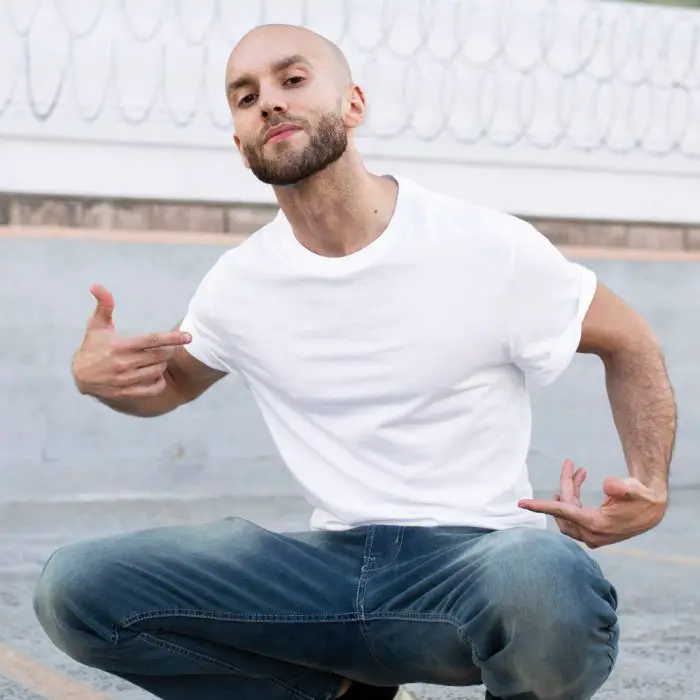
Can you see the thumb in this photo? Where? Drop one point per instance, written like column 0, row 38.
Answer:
column 102, row 316
column 620, row 488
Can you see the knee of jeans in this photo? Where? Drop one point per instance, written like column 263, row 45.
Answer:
column 556, row 611
column 66, row 601
column 544, row 579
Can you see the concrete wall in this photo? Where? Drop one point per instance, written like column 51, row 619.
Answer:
column 55, row 443
column 584, row 109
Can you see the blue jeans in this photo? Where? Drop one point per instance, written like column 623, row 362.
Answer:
column 232, row 610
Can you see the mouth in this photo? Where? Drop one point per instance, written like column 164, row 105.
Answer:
column 281, row 132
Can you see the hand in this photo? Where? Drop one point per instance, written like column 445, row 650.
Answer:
column 629, row 508
column 108, row 366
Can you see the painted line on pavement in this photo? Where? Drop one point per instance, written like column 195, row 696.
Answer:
column 645, row 554
column 42, row 680
column 53, row 685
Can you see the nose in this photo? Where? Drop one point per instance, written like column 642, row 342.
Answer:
column 271, row 102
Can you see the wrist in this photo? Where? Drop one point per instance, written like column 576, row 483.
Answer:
column 658, row 497
column 657, row 486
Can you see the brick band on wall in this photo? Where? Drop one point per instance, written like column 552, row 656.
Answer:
column 125, row 214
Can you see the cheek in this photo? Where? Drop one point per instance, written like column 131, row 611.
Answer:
column 246, row 128
column 245, row 141
column 240, row 146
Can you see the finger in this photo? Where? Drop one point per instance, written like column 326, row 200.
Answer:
column 579, row 478
column 143, row 390
column 566, row 482
column 102, row 316
column 559, row 509
column 567, row 528
column 143, row 375
column 147, row 358
column 156, row 340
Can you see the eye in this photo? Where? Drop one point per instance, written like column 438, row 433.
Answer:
column 294, row 80
column 246, row 101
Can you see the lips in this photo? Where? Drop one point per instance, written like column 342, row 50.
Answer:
column 281, row 132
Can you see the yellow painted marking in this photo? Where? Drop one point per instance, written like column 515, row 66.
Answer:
column 44, row 681
column 53, row 685
column 644, row 554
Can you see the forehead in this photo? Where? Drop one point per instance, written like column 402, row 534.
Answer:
column 263, row 50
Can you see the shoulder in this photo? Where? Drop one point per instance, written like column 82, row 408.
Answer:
column 474, row 222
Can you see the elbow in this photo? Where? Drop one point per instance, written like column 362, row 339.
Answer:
column 632, row 351
column 615, row 332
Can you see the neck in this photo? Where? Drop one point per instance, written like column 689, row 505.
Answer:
column 339, row 210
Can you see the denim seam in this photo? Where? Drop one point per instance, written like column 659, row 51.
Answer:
column 361, row 590
column 428, row 617
column 425, row 617
column 432, row 617
column 235, row 617
column 183, row 651
column 399, row 545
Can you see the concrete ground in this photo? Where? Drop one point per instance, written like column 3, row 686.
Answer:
column 70, row 469
column 657, row 577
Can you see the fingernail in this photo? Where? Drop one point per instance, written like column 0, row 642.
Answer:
column 186, row 337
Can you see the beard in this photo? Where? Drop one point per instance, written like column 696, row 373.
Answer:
column 328, row 141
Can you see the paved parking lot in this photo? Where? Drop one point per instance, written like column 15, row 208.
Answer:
column 70, row 469
column 657, row 576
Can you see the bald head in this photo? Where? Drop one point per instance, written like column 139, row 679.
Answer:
column 308, row 43
column 293, row 101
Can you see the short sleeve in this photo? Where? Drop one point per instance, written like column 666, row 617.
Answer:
column 207, row 327
column 549, row 298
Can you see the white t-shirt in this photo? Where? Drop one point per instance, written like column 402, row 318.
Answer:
column 393, row 380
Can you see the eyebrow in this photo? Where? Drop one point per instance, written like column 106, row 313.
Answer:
column 246, row 80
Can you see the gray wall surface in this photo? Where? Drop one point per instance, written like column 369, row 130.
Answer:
column 56, row 444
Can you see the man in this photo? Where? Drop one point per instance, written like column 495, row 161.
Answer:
column 388, row 334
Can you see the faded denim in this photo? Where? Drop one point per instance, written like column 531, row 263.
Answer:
column 232, row 610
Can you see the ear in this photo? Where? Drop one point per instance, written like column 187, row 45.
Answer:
column 237, row 141
column 357, row 107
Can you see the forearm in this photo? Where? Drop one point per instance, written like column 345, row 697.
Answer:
column 644, row 410
column 143, row 407
column 147, row 406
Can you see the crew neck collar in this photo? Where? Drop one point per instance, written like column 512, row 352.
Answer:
column 300, row 254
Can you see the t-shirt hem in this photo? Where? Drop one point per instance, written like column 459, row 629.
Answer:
column 326, row 522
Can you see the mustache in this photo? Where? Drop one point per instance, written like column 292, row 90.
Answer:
column 273, row 122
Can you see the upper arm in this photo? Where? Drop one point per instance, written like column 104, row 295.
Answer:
column 210, row 353
column 190, row 377
column 611, row 325
column 207, row 358
column 548, row 299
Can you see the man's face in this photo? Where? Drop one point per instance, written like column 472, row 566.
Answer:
column 287, row 106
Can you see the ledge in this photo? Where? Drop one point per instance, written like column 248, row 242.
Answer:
column 103, row 217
